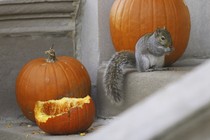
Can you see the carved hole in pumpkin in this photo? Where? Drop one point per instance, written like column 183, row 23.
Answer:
column 52, row 108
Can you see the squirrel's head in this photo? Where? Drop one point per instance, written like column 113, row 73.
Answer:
column 163, row 37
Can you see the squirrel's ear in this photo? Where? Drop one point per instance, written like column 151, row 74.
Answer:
column 157, row 31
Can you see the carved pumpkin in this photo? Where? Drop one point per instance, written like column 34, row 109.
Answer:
column 131, row 19
column 65, row 116
column 53, row 78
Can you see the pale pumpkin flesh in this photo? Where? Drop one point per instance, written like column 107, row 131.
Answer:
column 53, row 108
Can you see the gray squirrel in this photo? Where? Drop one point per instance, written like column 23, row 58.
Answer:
column 150, row 51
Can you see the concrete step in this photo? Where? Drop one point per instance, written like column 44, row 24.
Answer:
column 180, row 111
column 138, row 86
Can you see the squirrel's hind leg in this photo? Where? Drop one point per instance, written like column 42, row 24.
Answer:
column 142, row 63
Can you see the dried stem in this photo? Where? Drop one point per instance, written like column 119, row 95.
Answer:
column 51, row 55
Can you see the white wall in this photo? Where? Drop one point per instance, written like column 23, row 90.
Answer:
column 89, row 53
column 199, row 43
column 105, row 44
column 95, row 41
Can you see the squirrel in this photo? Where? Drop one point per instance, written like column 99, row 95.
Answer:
column 150, row 51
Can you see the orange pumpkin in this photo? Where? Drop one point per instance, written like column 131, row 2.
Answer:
column 131, row 19
column 65, row 116
column 53, row 78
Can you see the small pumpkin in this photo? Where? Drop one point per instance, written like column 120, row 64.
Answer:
column 65, row 116
column 53, row 78
column 131, row 19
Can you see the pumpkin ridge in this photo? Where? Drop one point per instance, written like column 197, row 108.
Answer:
column 77, row 81
column 141, row 11
column 152, row 15
column 21, row 81
column 47, row 81
column 175, row 13
column 43, row 65
column 129, row 22
column 78, row 122
column 54, row 67
column 33, row 92
column 124, row 19
column 83, row 75
column 45, row 84
column 23, row 72
column 121, row 18
column 87, row 114
column 158, row 9
column 61, row 65
column 115, row 33
column 165, row 13
column 86, row 80
column 167, row 6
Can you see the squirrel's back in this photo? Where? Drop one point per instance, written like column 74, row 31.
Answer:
column 114, row 76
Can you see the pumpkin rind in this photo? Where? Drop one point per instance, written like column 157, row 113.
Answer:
column 40, row 81
column 75, row 120
column 131, row 19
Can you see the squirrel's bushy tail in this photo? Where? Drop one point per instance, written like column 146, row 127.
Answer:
column 114, row 76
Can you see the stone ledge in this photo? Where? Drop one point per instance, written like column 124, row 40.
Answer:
column 11, row 9
column 34, row 16
column 139, row 86
column 5, row 2
column 37, row 27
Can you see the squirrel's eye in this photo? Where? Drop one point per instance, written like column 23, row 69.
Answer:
column 163, row 38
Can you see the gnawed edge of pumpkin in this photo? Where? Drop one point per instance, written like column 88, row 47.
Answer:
column 45, row 110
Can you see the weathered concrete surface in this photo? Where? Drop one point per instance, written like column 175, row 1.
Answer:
column 38, row 16
column 177, row 111
column 23, row 129
column 137, row 86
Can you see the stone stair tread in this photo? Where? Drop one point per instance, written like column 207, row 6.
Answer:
column 137, row 87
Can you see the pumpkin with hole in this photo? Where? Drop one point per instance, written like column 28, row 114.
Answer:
column 53, row 78
column 65, row 116
column 131, row 19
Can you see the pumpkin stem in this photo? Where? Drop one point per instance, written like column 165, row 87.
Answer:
column 51, row 55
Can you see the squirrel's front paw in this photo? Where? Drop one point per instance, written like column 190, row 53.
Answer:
column 172, row 49
column 149, row 70
column 169, row 50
